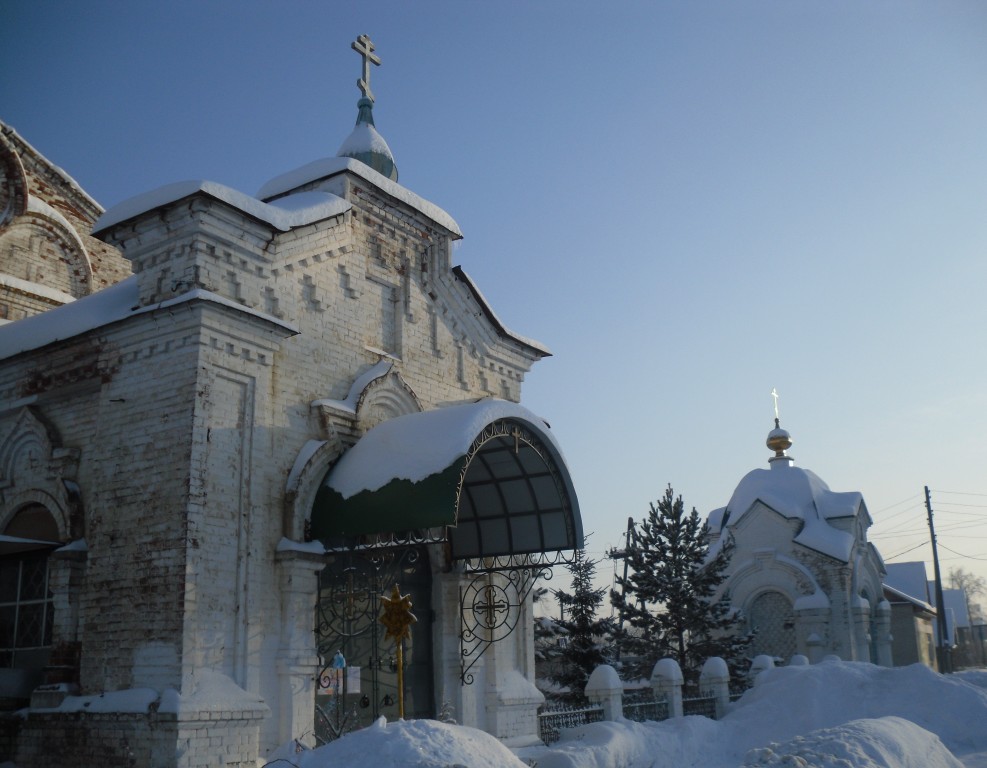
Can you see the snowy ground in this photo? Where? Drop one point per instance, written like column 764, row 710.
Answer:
column 829, row 715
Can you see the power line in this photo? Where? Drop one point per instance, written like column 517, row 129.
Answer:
column 892, row 506
column 968, row 557
column 905, row 552
column 897, row 514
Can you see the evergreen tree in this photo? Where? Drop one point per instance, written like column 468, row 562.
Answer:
column 589, row 637
column 667, row 600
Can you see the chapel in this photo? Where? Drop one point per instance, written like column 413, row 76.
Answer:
column 218, row 473
column 802, row 572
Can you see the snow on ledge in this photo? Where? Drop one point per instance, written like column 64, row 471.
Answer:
column 36, row 289
column 378, row 370
column 309, row 547
column 330, row 166
column 304, row 209
column 100, row 309
column 213, row 692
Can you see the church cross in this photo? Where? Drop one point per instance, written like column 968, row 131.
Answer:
column 349, row 596
column 774, row 394
column 491, row 606
column 365, row 48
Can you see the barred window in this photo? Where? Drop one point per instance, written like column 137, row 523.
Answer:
column 26, row 608
column 26, row 604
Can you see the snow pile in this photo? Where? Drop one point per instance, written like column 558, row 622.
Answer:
column 403, row 744
column 886, row 743
column 829, row 715
column 802, row 716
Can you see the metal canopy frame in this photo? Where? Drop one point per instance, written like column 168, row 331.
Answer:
column 513, row 498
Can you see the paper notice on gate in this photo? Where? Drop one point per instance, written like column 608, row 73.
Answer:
column 352, row 679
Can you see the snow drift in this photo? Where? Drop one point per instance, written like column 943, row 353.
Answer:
column 830, row 715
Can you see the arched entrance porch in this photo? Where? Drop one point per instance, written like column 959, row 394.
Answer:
column 483, row 492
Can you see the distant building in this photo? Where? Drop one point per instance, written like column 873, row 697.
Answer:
column 802, row 572
column 213, row 471
column 912, row 614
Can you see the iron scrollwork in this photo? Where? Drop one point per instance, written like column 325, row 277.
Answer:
column 491, row 604
column 346, row 620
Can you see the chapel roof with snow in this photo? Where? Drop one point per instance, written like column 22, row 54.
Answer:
column 795, row 494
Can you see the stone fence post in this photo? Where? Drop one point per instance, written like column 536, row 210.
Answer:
column 758, row 665
column 714, row 681
column 604, row 688
column 666, row 682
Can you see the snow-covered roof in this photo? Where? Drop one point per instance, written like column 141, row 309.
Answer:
column 797, row 493
column 904, row 597
column 460, row 273
column 284, row 214
column 331, row 166
column 415, row 446
column 65, row 177
column 908, row 578
column 100, row 309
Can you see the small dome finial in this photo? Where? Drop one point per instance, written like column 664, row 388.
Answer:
column 779, row 440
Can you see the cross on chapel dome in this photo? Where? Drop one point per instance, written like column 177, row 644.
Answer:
column 779, row 440
column 365, row 143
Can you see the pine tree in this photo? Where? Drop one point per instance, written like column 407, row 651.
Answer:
column 589, row 637
column 667, row 601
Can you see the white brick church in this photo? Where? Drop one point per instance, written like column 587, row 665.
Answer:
column 213, row 469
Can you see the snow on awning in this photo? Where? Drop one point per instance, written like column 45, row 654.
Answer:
column 12, row 544
column 490, row 470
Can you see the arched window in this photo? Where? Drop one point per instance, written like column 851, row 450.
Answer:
column 26, row 606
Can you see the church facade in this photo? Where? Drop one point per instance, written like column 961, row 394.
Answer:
column 220, row 465
column 802, row 572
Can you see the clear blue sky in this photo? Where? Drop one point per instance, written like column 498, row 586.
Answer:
column 689, row 202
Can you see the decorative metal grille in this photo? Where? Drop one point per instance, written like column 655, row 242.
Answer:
column 551, row 722
column 348, row 606
column 773, row 621
column 491, row 604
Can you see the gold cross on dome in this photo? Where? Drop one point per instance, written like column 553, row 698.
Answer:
column 365, row 48
column 774, row 394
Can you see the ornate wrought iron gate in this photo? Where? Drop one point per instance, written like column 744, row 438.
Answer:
column 361, row 684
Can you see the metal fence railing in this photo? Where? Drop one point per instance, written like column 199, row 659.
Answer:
column 552, row 721
column 646, row 709
column 700, row 705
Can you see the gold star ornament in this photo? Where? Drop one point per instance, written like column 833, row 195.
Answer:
column 397, row 617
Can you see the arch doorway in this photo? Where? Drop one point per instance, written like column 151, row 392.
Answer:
column 772, row 620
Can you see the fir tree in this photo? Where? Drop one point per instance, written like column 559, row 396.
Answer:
column 667, row 600
column 589, row 638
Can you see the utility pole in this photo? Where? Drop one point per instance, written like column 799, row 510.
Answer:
column 621, row 554
column 944, row 656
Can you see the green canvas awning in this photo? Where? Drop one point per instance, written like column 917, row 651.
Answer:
column 490, row 470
